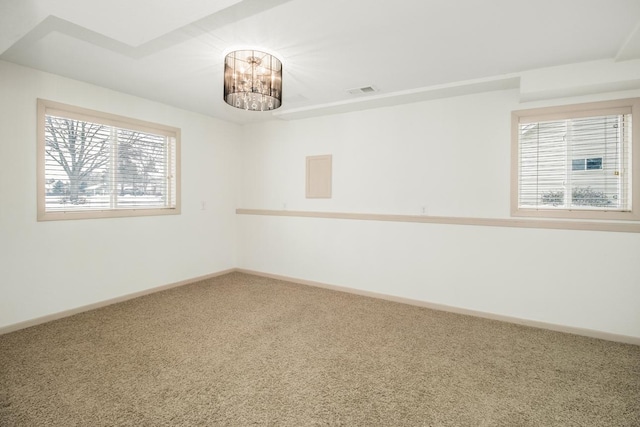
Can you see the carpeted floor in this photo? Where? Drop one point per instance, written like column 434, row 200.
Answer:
column 240, row 350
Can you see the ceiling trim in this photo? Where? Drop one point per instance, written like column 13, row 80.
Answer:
column 54, row 24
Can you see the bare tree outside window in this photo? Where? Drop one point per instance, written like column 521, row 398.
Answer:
column 78, row 148
column 79, row 158
column 139, row 163
column 99, row 165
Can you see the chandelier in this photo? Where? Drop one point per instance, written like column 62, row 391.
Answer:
column 252, row 80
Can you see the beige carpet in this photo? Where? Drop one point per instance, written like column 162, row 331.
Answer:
column 241, row 350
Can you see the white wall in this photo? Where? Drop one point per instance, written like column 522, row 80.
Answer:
column 449, row 155
column 48, row 267
column 452, row 156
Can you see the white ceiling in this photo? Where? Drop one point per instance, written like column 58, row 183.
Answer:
column 172, row 51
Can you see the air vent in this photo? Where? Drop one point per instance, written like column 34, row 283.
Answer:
column 362, row 90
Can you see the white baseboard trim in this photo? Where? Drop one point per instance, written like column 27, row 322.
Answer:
column 66, row 313
column 626, row 339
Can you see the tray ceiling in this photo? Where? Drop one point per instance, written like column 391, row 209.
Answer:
column 172, row 51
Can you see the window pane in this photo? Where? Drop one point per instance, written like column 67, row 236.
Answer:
column 142, row 169
column 595, row 186
column 578, row 165
column 594, row 163
column 76, row 161
column 543, row 164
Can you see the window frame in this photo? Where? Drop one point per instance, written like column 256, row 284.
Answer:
column 572, row 111
column 46, row 107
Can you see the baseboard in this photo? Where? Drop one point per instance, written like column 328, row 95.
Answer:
column 526, row 322
column 66, row 313
column 626, row 339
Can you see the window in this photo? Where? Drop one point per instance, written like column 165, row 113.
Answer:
column 95, row 165
column 586, row 164
column 577, row 161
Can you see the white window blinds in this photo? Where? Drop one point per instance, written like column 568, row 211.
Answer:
column 93, row 163
column 579, row 163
